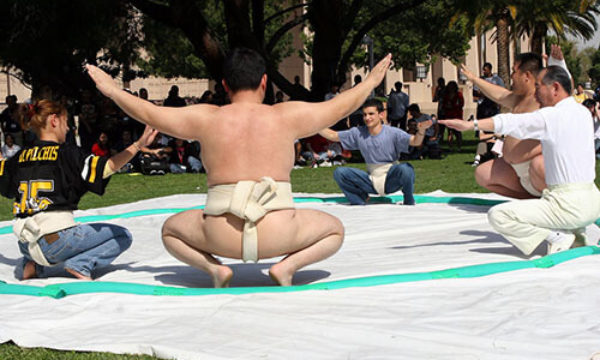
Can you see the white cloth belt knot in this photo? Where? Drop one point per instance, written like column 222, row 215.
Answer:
column 378, row 174
column 249, row 200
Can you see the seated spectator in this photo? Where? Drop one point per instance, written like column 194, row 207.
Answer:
column 484, row 151
column 320, row 151
column 154, row 158
column 183, row 157
column 299, row 161
column 100, row 147
column 9, row 149
column 580, row 94
column 431, row 134
column 124, row 143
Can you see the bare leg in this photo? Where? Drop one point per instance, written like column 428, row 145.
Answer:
column 537, row 173
column 497, row 176
column 78, row 275
column 306, row 236
column 324, row 238
column 180, row 232
column 29, row 271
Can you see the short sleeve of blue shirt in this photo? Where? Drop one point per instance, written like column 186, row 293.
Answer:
column 349, row 138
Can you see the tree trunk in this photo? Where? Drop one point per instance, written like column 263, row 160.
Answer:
column 503, row 46
column 537, row 39
column 326, row 17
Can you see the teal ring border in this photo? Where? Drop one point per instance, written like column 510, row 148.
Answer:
column 62, row 290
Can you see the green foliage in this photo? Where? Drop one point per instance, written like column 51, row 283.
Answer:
column 47, row 42
column 594, row 71
column 169, row 53
column 11, row 351
column 418, row 34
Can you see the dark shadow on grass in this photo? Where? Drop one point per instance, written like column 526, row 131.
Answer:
column 244, row 275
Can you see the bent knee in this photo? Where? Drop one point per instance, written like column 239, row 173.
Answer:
column 124, row 238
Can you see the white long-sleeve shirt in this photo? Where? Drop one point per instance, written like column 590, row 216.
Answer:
column 566, row 132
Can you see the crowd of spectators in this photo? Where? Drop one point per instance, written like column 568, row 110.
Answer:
column 98, row 125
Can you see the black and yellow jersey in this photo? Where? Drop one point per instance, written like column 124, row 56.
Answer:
column 50, row 176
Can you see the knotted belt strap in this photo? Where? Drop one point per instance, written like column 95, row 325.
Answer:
column 249, row 200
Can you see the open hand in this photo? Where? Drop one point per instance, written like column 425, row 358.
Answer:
column 424, row 125
column 105, row 84
column 467, row 72
column 147, row 136
column 378, row 72
column 457, row 124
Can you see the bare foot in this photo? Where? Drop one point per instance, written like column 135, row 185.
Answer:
column 281, row 275
column 222, row 276
column 29, row 270
column 78, row 275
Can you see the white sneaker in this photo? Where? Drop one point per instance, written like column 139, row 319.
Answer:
column 325, row 164
column 559, row 241
column 592, row 234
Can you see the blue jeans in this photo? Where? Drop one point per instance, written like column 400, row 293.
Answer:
column 195, row 165
column 357, row 186
column 82, row 248
column 597, row 145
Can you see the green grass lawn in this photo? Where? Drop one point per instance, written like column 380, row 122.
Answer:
column 453, row 173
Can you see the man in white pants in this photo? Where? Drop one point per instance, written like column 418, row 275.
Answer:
column 572, row 200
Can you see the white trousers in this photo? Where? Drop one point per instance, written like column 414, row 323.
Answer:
column 526, row 223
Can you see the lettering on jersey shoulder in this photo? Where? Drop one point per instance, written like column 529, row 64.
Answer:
column 44, row 153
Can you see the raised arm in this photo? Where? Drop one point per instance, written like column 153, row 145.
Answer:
column 309, row 118
column 181, row 122
column 493, row 92
column 118, row 160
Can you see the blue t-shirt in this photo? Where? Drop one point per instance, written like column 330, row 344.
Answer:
column 384, row 147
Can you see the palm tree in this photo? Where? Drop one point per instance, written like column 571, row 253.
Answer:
column 535, row 18
column 484, row 15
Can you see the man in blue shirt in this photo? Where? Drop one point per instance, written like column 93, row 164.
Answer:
column 380, row 146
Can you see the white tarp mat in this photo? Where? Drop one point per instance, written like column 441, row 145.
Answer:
column 534, row 313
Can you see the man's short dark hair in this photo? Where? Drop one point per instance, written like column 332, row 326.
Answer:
column 487, row 65
column 398, row 85
column 243, row 69
column 375, row 103
column 557, row 74
column 414, row 108
column 529, row 61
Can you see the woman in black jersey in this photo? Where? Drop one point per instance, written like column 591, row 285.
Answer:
column 47, row 180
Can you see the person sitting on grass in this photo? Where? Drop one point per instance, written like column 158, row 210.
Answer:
column 46, row 182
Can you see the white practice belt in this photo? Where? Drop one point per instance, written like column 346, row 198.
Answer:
column 377, row 174
column 522, row 171
column 30, row 229
column 249, row 200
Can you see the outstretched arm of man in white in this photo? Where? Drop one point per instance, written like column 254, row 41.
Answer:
column 172, row 121
column 308, row 118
